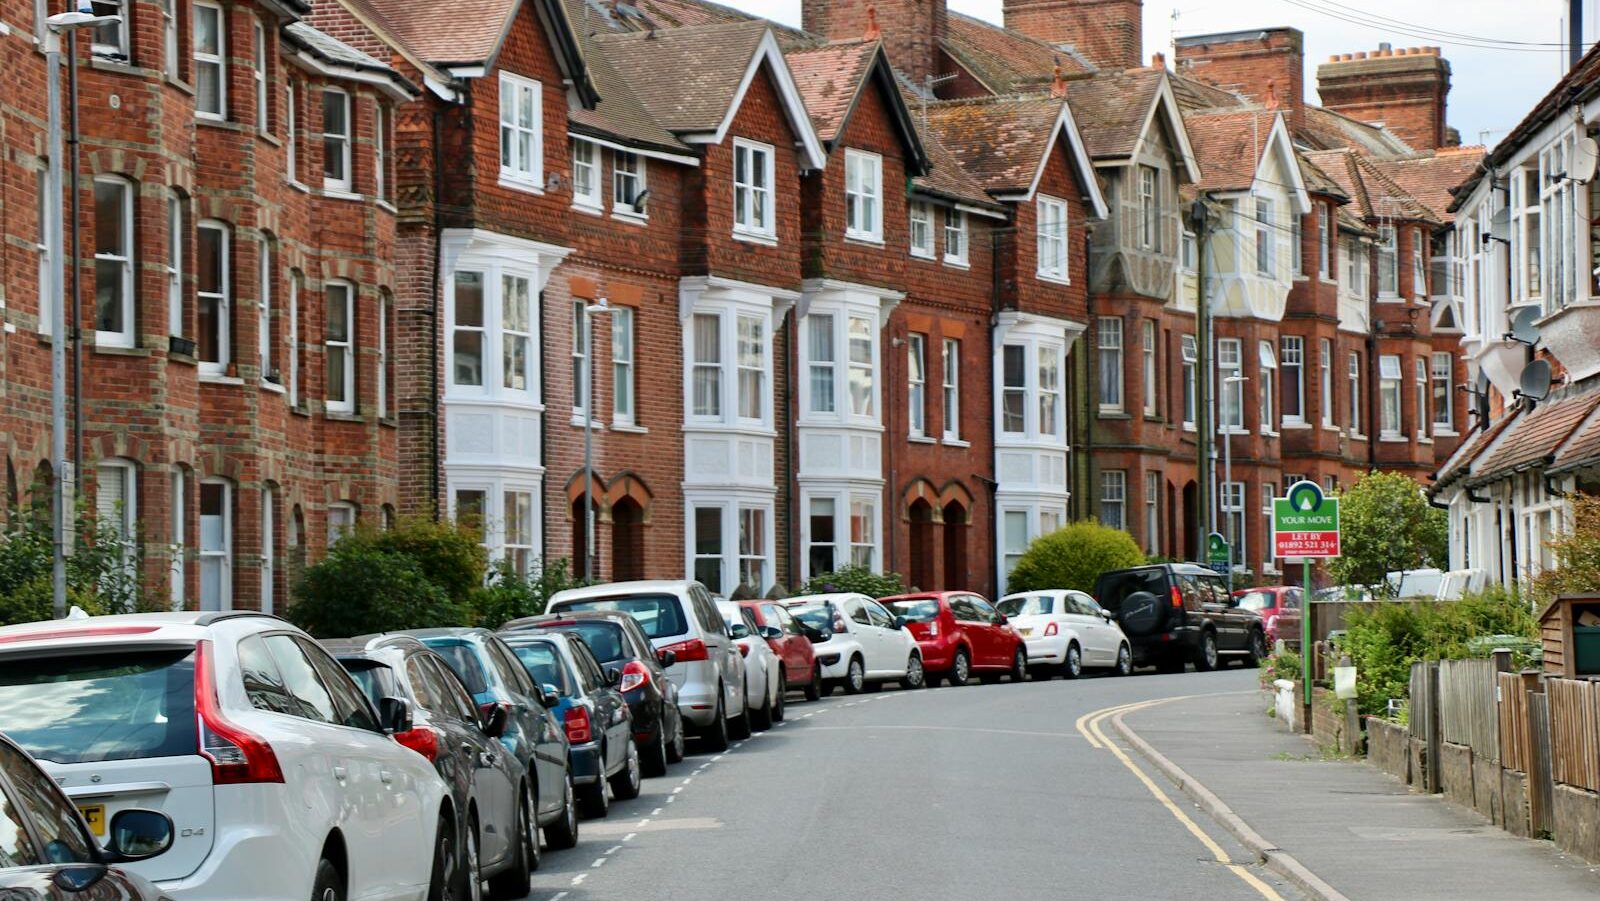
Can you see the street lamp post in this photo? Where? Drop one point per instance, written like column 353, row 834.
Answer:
column 1227, row 478
column 590, row 310
column 65, row 473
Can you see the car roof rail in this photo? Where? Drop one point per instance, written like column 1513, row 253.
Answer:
column 216, row 616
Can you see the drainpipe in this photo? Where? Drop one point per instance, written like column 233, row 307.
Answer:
column 1373, row 426
column 791, row 437
column 890, row 503
column 434, row 300
column 994, row 538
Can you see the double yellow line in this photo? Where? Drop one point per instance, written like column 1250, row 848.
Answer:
column 1090, row 726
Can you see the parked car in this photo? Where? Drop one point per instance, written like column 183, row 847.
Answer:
column 682, row 622
column 238, row 726
column 791, row 641
column 47, row 852
column 618, row 640
column 861, row 643
column 764, row 686
column 488, row 786
column 1067, row 631
column 491, row 674
column 601, row 755
column 1274, row 604
column 1173, row 613
column 961, row 634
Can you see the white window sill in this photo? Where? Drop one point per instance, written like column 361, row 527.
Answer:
column 627, row 428
column 273, row 387
column 921, row 439
column 1053, row 279
column 1330, row 427
column 1226, row 431
column 577, row 423
column 518, row 183
column 340, row 194
column 1269, row 433
column 215, row 378
column 588, row 209
column 1393, row 439
column 1294, row 426
column 918, row 255
column 1424, row 439
column 956, row 442
column 297, row 185
column 11, row 328
column 628, row 216
column 1446, row 433
column 864, row 238
column 1112, row 410
column 958, row 262
column 754, row 237
column 211, row 118
column 1300, row 277
column 1357, row 436
column 386, row 206
column 1188, row 427
column 1390, row 298
column 112, row 343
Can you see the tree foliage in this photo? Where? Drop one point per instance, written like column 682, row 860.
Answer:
column 102, row 570
column 1577, row 553
column 511, row 595
column 416, row 575
column 1385, row 525
column 1074, row 557
column 857, row 580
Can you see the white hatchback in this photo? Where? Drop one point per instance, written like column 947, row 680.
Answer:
column 1067, row 631
column 277, row 773
column 861, row 641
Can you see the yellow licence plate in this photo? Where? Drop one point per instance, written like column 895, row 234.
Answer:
column 95, row 816
column 1025, row 632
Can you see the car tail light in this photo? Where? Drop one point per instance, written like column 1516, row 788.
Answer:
column 237, row 756
column 687, row 651
column 577, row 723
column 1050, row 629
column 634, row 675
column 744, row 649
column 423, row 740
column 1177, row 598
column 1272, row 622
column 933, row 629
column 839, row 627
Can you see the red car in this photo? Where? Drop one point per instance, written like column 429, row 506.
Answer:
column 1274, row 603
column 960, row 634
column 788, row 639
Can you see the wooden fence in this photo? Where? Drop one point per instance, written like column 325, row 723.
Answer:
column 1516, row 752
column 1574, row 732
column 1421, row 695
column 1467, row 709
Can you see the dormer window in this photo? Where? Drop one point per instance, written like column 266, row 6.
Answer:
column 628, row 184
column 863, row 196
column 955, row 237
column 752, row 189
column 1052, row 229
column 521, row 132
column 586, row 175
column 1149, row 208
column 921, row 229
column 1388, row 262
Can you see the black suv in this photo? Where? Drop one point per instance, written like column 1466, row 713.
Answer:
column 1175, row 613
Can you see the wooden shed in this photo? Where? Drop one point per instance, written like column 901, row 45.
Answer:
column 1569, row 629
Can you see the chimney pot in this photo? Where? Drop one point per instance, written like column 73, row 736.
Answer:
column 1361, row 54
column 1158, row 61
column 1383, row 46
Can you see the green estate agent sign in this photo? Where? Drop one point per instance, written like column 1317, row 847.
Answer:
column 1217, row 552
column 1305, row 524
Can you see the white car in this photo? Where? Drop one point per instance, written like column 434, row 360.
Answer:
column 763, row 671
column 862, row 642
column 1067, row 631
column 280, row 778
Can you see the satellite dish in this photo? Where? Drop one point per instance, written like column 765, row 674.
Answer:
column 1480, row 400
column 1535, row 381
column 1581, row 165
column 1524, row 326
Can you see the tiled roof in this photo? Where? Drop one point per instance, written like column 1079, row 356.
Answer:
column 338, row 53
column 1323, row 129
column 947, row 178
column 1583, row 449
column 1006, row 61
column 1430, row 179
column 456, row 32
column 829, row 77
column 1197, row 96
column 686, row 78
column 1111, row 110
column 1460, row 463
column 619, row 114
column 1318, row 181
column 1229, row 146
column 1536, row 436
column 1000, row 141
column 1580, row 83
column 648, row 15
column 1375, row 194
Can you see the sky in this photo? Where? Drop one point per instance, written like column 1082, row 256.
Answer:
column 1492, row 87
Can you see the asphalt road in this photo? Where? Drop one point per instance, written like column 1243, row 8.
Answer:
column 985, row 792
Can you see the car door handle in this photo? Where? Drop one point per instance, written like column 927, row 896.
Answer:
column 386, row 776
column 340, row 773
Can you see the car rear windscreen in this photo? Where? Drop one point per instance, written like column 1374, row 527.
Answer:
column 924, row 610
column 817, row 616
column 543, row 663
column 603, row 638
column 1030, row 605
column 376, row 679
column 1115, row 587
column 83, row 708
column 660, row 615
column 1258, row 600
column 464, row 662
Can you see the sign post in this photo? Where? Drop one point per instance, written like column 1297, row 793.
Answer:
column 1305, row 524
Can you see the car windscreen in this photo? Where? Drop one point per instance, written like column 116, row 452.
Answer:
column 603, row 638
column 463, row 661
column 921, row 610
column 661, row 615
column 82, row 708
column 1029, row 605
column 817, row 616
column 1258, row 600
column 543, row 663
column 376, row 679
column 1113, row 588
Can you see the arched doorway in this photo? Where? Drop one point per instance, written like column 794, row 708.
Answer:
column 1191, row 521
column 956, row 533
column 922, row 553
column 627, row 540
column 580, row 544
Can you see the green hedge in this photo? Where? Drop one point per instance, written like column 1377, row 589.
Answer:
column 1074, row 557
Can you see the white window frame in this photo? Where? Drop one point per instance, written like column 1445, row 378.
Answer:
column 1230, row 361
column 1266, row 391
column 1443, row 378
column 624, row 397
column 293, row 343
column 1149, row 208
column 1147, row 337
column 634, row 169
column 344, row 141
column 1152, row 512
column 258, row 42
column 264, row 348
column 169, row 38
column 342, row 518
column 752, row 362
column 706, row 366
column 950, row 376
column 1353, row 373
column 1292, row 355
column 822, row 400
column 753, row 546
column 860, row 405
column 1231, row 502
column 1326, row 362
column 1047, row 373
column 1009, row 389
column 587, row 172
column 729, row 555
column 818, row 506
column 1013, row 544
column 1324, row 241
column 1419, row 268
column 1388, row 262
column 1114, row 497
column 521, row 167
column 955, row 235
column 719, row 370
column 582, row 325
column 174, row 272
column 1189, row 350
column 124, row 521
column 1108, row 350
column 518, row 529
column 123, row 259
column 1269, row 493
column 380, row 151
column 753, row 196
column 1297, row 245
column 223, row 299
column 223, row 558
column 1390, row 397
column 1051, row 228
column 344, row 347
column 385, row 310
column 268, row 551
column 291, row 133
column 179, row 565
column 863, row 196
column 42, row 212
column 511, row 336
column 863, row 541
column 1266, row 262
column 204, row 61
column 917, row 384
column 1422, row 387
column 920, row 236
column 116, row 30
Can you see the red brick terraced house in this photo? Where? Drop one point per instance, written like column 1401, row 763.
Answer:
column 237, row 289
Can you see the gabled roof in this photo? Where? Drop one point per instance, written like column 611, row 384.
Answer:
column 1534, row 438
column 650, row 15
column 1375, row 194
column 692, row 80
column 831, row 79
column 1117, row 110
column 1007, row 62
column 1006, row 142
column 946, row 179
column 1317, row 180
column 337, row 59
column 1233, row 144
column 1459, row 466
column 464, row 35
column 1430, row 179
column 1321, row 128
column 1582, row 449
column 619, row 115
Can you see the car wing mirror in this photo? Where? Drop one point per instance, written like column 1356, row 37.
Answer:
column 549, row 697
column 772, row 633
column 394, row 714
column 137, row 834
column 1003, row 618
column 667, row 658
column 613, row 677
column 1107, row 615
column 78, row 877
column 899, row 622
column 493, row 720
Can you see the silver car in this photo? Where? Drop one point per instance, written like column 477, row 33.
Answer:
column 694, row 645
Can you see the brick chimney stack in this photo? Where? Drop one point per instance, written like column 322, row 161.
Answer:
column 1108, row 33
column 1403, row 89
column 913, row 31
column 1267, row 65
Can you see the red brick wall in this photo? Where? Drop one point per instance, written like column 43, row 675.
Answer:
column 912, row 29
column 1107, row 32
column 1265, row 68
column 828, row 254
column 1018, row 254
column 1404, row 89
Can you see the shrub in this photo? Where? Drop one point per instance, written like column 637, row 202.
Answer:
column 448, row 554
column 359, row 589
column 510, row 595
column 1385, row 525
column 1577, row 553
column 855, row 579
column 1073, row 557
column 102, row 571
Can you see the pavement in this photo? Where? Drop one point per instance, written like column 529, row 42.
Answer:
column 1359, row 833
